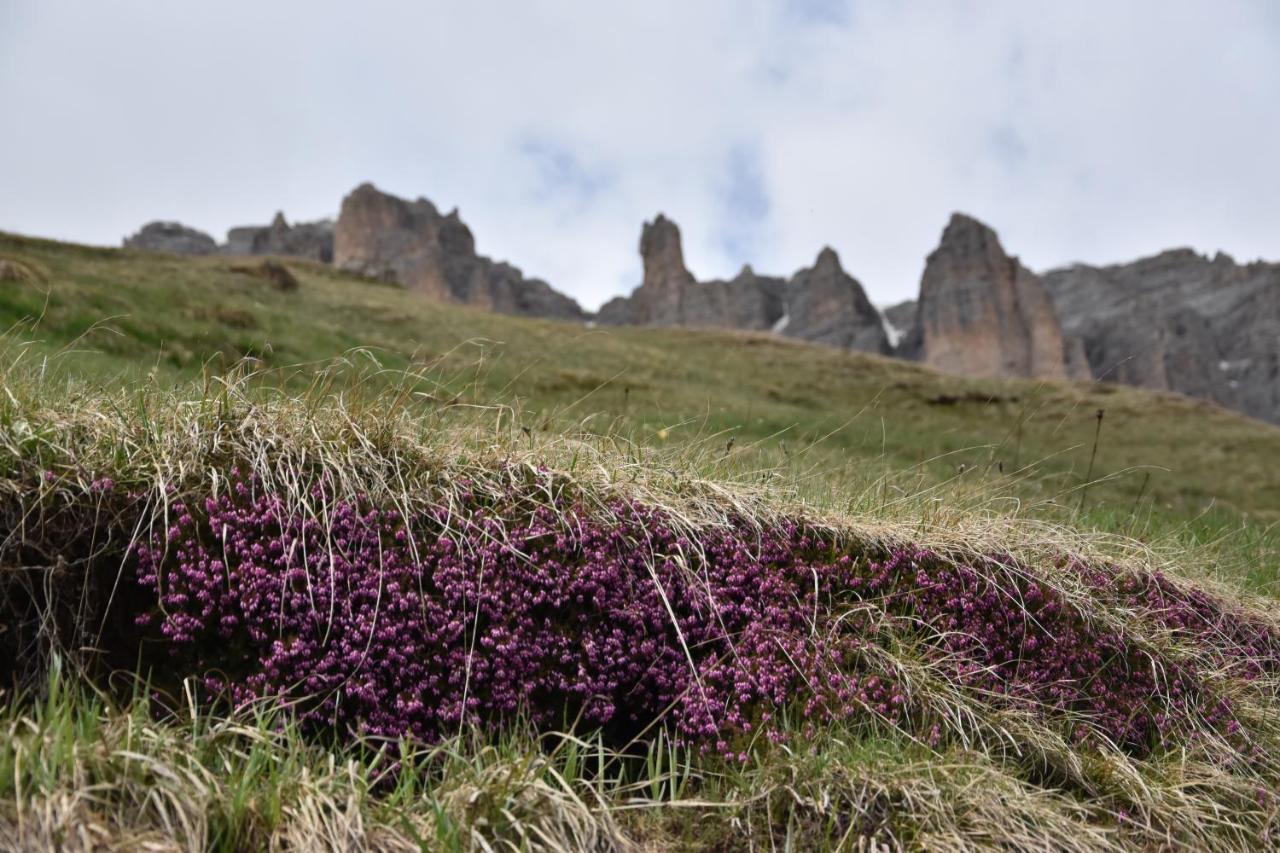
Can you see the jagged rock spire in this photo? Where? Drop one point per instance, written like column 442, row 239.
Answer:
column 981, row 313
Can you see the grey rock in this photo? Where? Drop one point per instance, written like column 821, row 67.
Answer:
column 664, row 297
column 411, row 242
column 826, row 305
column 981, row 313
column 1179, row 321
column 310, row 240
column 822, row 303
column 173, row 238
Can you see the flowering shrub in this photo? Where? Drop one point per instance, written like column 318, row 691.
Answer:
column 1019, row 642
column 1244, row 645
column 396, row 626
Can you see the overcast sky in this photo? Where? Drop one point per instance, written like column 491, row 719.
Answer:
column 1096, row 131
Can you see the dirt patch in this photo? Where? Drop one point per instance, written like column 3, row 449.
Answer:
column 984, row 398
column 276, row 273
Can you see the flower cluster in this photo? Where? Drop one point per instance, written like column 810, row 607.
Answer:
column 1242, row 644
column 1022, row 644
column 392, row 625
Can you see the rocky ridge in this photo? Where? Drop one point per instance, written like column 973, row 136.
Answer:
column 172, row 238
column 310, row 240
column 822, row 303
column 1178, row 321
column 385, row 237
column 411, row 242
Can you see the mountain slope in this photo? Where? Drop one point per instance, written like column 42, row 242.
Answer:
column 838, row 416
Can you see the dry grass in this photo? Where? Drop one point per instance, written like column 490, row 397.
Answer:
column 83, row 773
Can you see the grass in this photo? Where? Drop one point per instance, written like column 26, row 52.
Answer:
column 424, row 397
column 835, row 419
column 83, row 772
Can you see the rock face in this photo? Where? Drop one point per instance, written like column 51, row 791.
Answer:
column 1179, row 321
column 310, row 240
column 411, row 242
column 826, row 305
column 822, row 303
column 664, row 297
column 981, row 313
column 173, row 238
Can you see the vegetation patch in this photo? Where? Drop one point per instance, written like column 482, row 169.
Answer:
column 16, row 271
column 658, row 657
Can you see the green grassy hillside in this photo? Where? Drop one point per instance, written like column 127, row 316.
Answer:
column 863, row 425
column 337, row 567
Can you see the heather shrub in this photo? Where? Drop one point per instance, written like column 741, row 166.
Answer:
column 1242, row 644
column 530, row 604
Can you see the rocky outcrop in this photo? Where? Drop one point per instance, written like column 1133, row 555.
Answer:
column 276, row 274
column 664, row 297
column 173, row 238
column 749, row 301
column 821, row 303
column 310, row 240
column 1179, row 321
column 826, row 305
column 411, row 242
column 981, row 313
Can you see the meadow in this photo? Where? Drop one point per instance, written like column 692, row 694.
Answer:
column 338, row 567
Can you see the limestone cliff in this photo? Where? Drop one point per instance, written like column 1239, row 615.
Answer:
column 411, row 242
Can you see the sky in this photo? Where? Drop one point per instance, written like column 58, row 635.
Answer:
column 1083, row 131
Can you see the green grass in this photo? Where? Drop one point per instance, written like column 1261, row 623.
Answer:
column 134, row 366
column 81, row 767
column 844, row 429
column 838, row 417
column 80, row 770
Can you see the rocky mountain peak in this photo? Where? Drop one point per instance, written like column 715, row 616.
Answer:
column 962, row 226
column 662, row 253
column 981, row 313
column 827, row 305
column 173, row 238
column 821, row 303
column 1179, row 321
column 828, row 261
column 967, row 240
column 381, row 235
column 310, row 240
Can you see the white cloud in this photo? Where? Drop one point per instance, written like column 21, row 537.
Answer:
column 1095, row 131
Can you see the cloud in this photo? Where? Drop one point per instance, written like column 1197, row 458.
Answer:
column 1085, row 131
column 744, row 205
column 559, row 174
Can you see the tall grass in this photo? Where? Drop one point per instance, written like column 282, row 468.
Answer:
column 83, row 768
